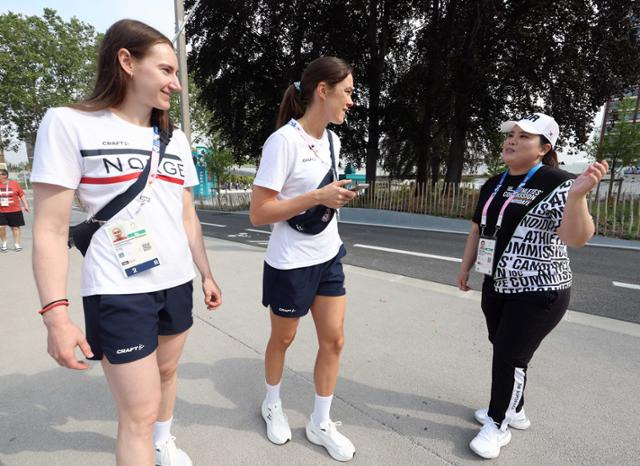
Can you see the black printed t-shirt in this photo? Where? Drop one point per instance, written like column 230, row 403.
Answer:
column 529, row 255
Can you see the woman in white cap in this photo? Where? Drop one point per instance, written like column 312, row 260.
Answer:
column 524, row 220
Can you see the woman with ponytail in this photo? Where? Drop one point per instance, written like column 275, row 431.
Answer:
column 296, row 189
column 524, row 220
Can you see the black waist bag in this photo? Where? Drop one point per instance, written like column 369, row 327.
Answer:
column 80, row 235
column 316, row 219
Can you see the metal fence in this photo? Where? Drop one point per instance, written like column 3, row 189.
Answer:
column 225, row 200
column 618, row 217
column 439, row 199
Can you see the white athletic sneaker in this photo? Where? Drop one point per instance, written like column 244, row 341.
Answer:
column 167, row 454
column 3, row 247
column 339, row 447
column 489, row 440
column 278, row 430
column 520, row 421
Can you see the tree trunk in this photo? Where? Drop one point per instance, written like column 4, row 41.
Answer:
column 455, row 163
column 611, row 178
column 377, row 48
column 435, row 169
column 422, row 166
column 619, row 191
column 432, row 59
column 30, row 148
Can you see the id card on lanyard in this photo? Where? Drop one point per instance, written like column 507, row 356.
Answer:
column 131, row 239
column 4, row 199
column 487, row 244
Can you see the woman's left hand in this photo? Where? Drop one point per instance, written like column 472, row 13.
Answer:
column 212, row 294
column 589, row 179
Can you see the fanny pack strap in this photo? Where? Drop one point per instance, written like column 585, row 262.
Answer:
column 333, row 157
column 121, row 200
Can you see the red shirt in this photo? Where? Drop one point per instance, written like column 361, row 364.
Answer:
column 14, row 194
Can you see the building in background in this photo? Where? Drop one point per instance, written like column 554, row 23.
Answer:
column 612, row 111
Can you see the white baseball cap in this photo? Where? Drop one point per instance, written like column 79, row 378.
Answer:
column 535, row 123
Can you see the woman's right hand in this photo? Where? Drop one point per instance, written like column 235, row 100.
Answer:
column 463, row 279
column 62, row 339
column 334, row 195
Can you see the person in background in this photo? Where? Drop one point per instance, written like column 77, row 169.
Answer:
column 11, row 195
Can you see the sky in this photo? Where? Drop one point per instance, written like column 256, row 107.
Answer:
column 100, row 14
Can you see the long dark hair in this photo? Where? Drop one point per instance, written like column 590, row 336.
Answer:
column 551, row 157
column 331, row 70
column 112, row 81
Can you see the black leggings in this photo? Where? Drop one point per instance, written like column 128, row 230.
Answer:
column 517, row 324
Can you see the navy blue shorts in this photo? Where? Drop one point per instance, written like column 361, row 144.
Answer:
column 125, row 327
column 290, row 293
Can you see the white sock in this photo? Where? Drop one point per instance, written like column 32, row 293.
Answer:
column 273, row 393
column 4, row 244
column 17, row 245
column 162, row 431
column 321, row 408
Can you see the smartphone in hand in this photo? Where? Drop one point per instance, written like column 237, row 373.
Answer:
column 359, row 187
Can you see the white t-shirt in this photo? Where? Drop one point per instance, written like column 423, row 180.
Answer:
column 100, row 155
column 290, row 167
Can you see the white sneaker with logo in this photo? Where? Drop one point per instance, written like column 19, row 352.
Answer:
column 167, row 454
column 278, row 430
column 489, row 440
column 520, row 421
column 339, row 447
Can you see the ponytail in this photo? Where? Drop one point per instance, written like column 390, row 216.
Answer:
column 551, row 157
column 291, row 106
column 298, row 96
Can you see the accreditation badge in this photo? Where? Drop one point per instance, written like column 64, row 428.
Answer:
column 486, row 252
column 4, row 201
column 132, row 245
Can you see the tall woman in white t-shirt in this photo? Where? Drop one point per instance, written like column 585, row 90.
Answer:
column 302, row 269
column 138, row 323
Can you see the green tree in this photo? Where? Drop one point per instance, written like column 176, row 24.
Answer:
column 433, row 77
column 246, row 52
column 44, row 62
column 218, row 162
column 621, row 143
column 201, row 115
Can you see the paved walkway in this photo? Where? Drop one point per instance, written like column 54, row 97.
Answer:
column 416, row 364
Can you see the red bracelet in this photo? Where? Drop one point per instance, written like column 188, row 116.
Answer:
column 54, row 304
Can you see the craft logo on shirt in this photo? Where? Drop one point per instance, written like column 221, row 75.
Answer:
column 115, row 143
column 308, row 159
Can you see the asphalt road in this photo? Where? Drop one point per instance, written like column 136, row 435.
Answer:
column 595, row 269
